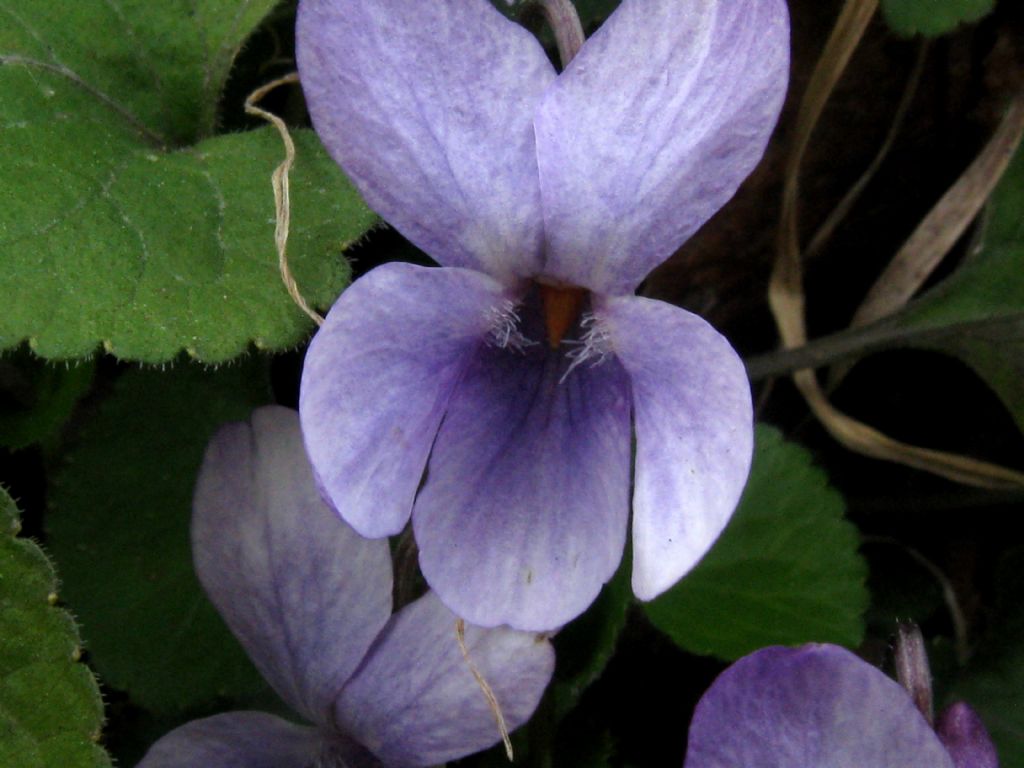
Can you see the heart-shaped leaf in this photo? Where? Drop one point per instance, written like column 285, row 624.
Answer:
column 123, row 220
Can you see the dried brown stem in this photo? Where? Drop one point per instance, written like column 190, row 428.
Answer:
column 945, row 223
column 282, row 198
column 492, row 700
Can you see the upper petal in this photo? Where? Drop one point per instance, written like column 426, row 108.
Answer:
column 416, row 702
column 818, row 706
column 428, row 107
column 523, row 513
column 650, row 130
column 694, row 434
column 301, row 590
column 235, row 740
column 376, row 382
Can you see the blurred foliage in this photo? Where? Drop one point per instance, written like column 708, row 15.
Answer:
column 932, row 17
column 37, row 398
column 121, row 504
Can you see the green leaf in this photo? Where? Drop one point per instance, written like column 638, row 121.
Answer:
column 932, row 17
column 785, row 571
column 123, row 221
column 119, row 529
column 37, row 397
column 994, row 683
column 50, row 707
column 977, row 314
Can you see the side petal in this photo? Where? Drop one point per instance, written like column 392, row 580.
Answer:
column 651, row 129
column 376, row 382
column 524, row 510
column 428, row 107
column 235, row 740
column 416, row 702
column 301, row 590
column 694, row 434
column 818, row 706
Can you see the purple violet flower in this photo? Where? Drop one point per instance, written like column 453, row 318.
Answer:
column 310, row 601
column 495, row 399
column 820, row 706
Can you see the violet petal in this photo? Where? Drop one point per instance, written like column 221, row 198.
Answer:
column 818, row 706
column 694, row 434
column 304, row 593
column 524, row 510
column 235, row 740
column 651, row 129
column 415, row 702
column 376, row 382
column 966, row 738
column 428, row 107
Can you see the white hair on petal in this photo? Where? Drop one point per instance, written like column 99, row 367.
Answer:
column 504, row 330
column 594, row 346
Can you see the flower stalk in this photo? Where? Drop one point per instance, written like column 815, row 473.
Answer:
column 564, row 21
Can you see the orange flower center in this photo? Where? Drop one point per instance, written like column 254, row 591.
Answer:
column 562, row 308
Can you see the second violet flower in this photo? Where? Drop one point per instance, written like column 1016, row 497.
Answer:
column 311, row 602
column 819, row 706
column 495, row 399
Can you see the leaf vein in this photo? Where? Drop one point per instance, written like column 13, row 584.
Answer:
column 73, row 77
column 143, row 53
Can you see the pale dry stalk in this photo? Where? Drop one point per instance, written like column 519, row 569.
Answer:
column 282, row 198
